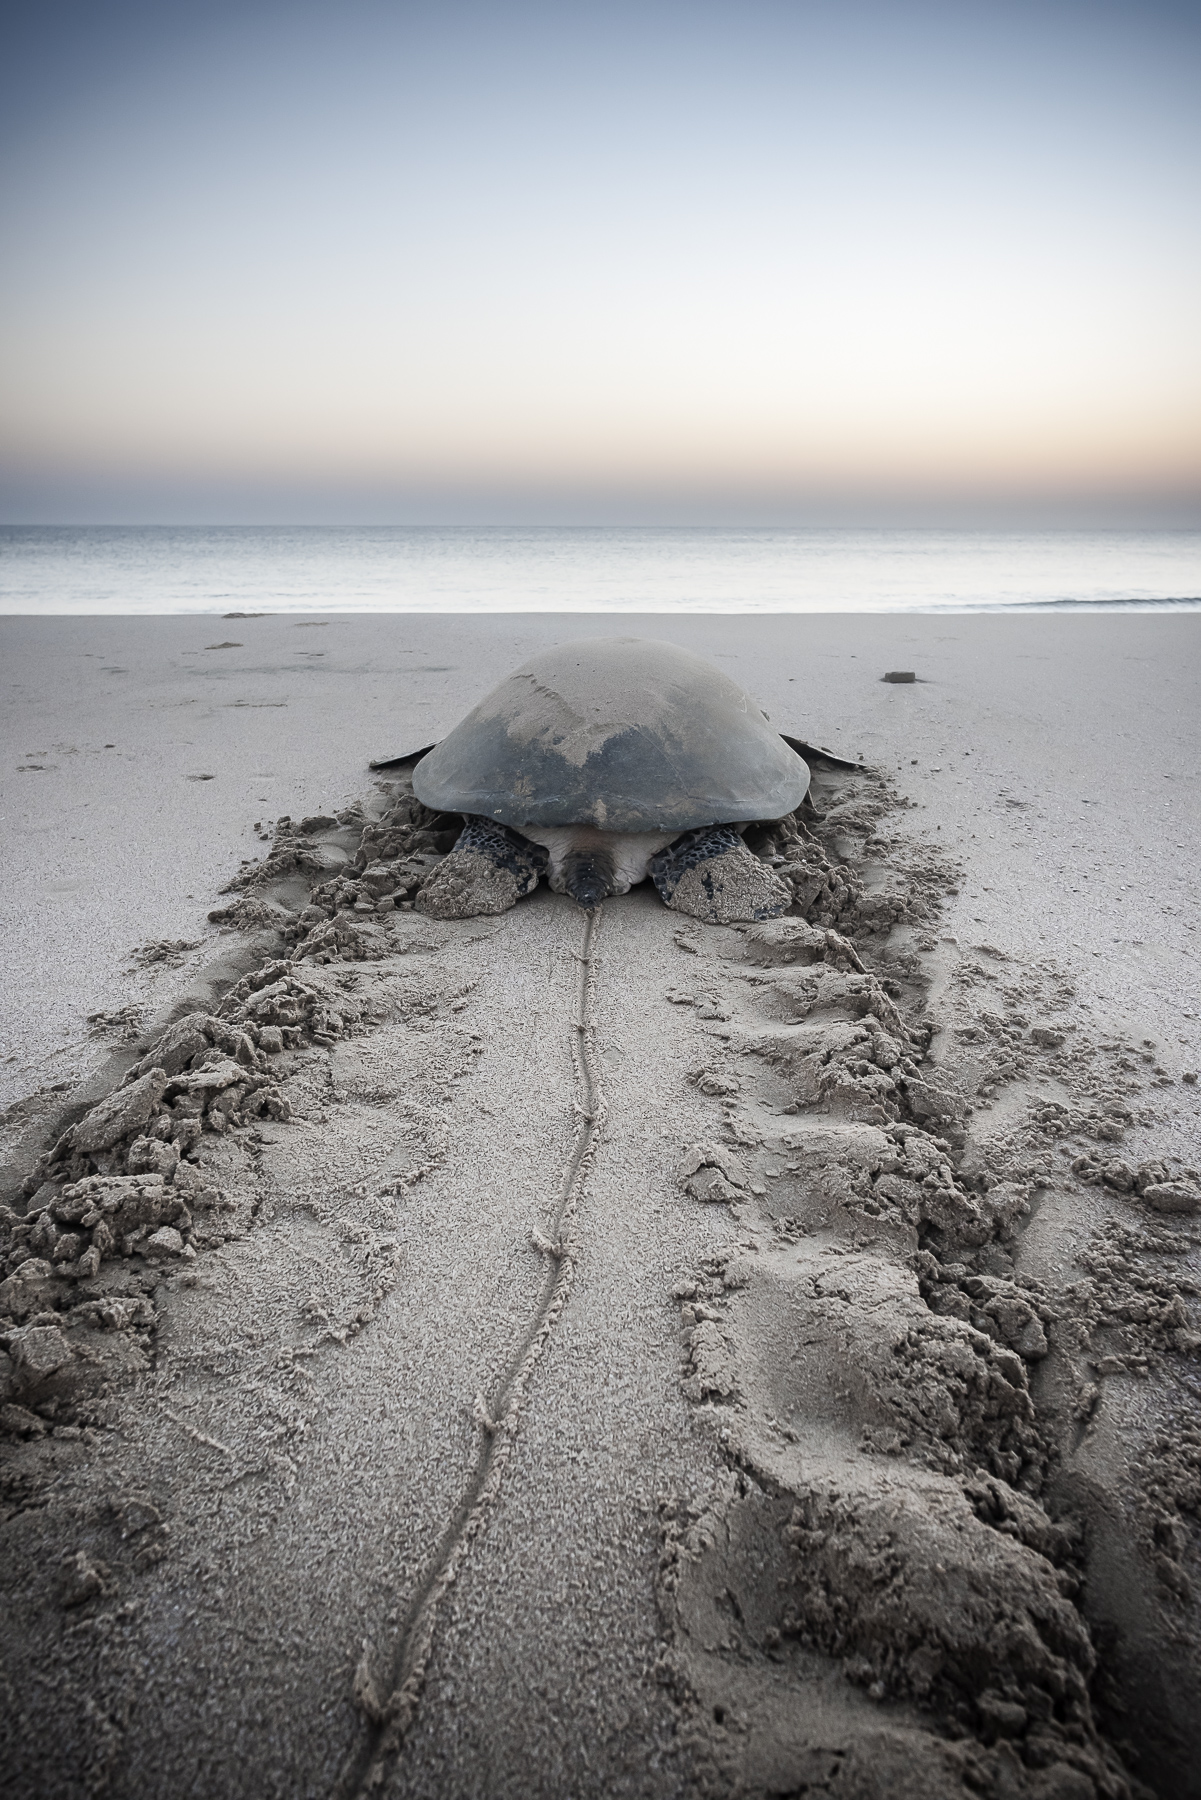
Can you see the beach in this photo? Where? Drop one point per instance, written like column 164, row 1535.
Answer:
column 835, row 1432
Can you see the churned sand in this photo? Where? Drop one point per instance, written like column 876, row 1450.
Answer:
column 534, row 1356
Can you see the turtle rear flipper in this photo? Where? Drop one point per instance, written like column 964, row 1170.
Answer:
column 712, row 875
column 817, row 753
column 490, row 868
column 406, row 756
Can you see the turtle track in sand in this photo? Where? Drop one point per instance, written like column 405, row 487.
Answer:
column 880, row 1510
column 898, row 1469
column 925, row 1476
column 392, row 1715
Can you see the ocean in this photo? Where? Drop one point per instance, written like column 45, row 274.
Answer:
column 686, row 569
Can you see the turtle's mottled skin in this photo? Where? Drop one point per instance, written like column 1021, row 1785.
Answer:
column 602, row 762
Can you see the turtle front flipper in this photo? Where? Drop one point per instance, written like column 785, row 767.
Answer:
column 712, row 875
column 490, row 868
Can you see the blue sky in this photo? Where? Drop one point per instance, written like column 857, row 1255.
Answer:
column 612, row 263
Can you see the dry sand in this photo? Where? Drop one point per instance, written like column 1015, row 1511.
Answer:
column 682, row 1360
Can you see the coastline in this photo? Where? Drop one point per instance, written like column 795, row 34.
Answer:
column 681, row 570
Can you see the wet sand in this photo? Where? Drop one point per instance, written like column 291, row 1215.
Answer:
column 861, row 1456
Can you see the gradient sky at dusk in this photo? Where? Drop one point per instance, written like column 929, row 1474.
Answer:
column 608, row 262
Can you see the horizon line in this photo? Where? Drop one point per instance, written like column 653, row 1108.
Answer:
column 585, row 525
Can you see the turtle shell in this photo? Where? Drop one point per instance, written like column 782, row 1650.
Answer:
column 627, row 734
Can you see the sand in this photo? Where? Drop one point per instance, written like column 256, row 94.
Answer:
column 678, row 1359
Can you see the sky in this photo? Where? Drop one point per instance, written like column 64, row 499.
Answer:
column 821, row 261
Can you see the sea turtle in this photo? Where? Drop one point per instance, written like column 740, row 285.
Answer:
column 603, row 761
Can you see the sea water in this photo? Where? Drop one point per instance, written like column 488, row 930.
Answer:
column 686, row 569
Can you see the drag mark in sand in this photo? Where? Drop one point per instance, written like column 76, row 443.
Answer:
column 391, row 1713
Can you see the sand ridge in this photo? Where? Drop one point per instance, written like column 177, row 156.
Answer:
column 852, row 1541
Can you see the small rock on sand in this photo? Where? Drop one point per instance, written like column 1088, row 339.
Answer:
column 123, row 1111
column 29, row 1289
column 1173, row 1197
column 164, row 1242
column 39, row 1350
column 148, row 1156
column 20, row 1422
column 81, row 1580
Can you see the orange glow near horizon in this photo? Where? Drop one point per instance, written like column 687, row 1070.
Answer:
column 810, row 260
